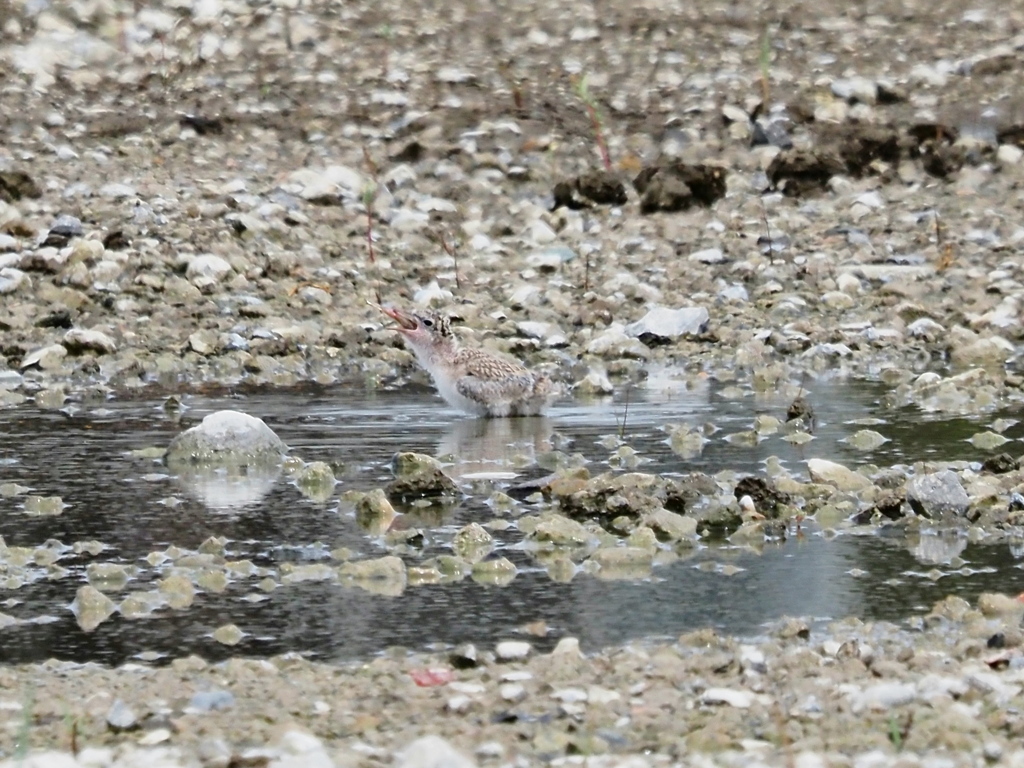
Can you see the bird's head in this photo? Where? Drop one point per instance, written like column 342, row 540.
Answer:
column 428, row 328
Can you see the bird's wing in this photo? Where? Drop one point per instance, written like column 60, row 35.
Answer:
column 488, row 367
column 489, row 391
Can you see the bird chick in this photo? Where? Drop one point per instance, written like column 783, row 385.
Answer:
column 472, row 380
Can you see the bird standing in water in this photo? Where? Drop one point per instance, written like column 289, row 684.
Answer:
column 472, row 380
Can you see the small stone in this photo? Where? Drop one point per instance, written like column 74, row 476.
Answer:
column 91, row 607
column 513, row 650
column 207, row 268
column 228, row 634
column 120, row 717
column 210, row 701
column 732, row 697
column 432, row 752
column 79, row 340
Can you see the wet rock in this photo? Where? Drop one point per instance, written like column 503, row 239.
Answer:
column 662, row 325
column 679, row 186
column 669, row 525
column 388, row 573
column 888, row 507
column 767, row 499
column 560, row 531
column 228, row 634
column 79, row 340
column 623, row 562
column 1000, row 464
column 419, row 476
column 597, row 187
column 226, row 438
column 608, row 496
column 495, row 571
column 472, row 543
column 316, row 480
column 374, row 512
column 91, row 608
column 937, row 494
column 841, row 477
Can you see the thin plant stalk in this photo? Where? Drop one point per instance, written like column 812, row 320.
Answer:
column 451, row 250
column 596, row 122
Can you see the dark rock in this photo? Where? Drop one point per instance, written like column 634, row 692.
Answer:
column 412, row 152
column 942, row 160
column 772, row 133
column 418, row 476
column 889, row 506
column 595, row 188
column 765, row 496
column 15, row 185
column 679, row 186
column 860, row 146
column 60, row 318
column 464, row 657
column 801, row 410
column 116, row 241
column 800, row 172
column 1001, row 464
column 202, row 125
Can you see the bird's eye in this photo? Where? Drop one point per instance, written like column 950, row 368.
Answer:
column 429, row 323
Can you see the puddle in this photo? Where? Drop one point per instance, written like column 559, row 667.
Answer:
column 135, row 507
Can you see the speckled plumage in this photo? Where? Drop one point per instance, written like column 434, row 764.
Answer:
column 473, row 380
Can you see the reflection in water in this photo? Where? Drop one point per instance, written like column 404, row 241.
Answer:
column 936, row 547
column 122, row 503
column 228, row 489
column 495, row 447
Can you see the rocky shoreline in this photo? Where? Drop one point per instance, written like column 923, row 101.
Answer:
column 205, row 195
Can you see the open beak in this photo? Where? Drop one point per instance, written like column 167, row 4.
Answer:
column 406, row 322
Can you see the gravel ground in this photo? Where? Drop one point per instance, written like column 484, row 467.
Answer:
column 186, row 194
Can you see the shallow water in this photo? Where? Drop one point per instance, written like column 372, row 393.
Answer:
column 134, row 507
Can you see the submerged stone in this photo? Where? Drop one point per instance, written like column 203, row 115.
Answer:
column 497, row 572
column 316, row 481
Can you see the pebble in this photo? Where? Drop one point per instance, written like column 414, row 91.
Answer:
column 513, row 650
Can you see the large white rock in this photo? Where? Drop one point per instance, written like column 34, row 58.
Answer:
column 226, row 437
column 668, row 324
column 432, row 752
column 843, row 478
